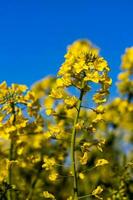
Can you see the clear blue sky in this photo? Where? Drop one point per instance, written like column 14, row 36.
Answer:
column 34, row 34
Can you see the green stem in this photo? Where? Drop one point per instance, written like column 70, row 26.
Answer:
column 73, row 144
column 11, row 157
column 10, row 175
column 83, row 197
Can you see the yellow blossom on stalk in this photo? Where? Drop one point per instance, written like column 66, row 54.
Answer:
column 48, row 163
column 99, row 97
column 82, row 62
column 82, row 66
column 53, row 175
column 93, row 77
column 15, row 104
column 120, row 113
column 4, row 164
column 79, row 125
column 84, row 159
column 81, row 176
column 20, row 150
column 127, row 59
column 11, row 95
column 82, row 69
column 48, row 195
column 14, row 97
column 101, row 162
column 65, row 81
column 98, row 118
column 100, row 145
column 100, row 109
column 57, row 130
column 70, row 198
column 8, row 126
column 97, row 192
column 123, row 76
column 43, row 87
column 71, row 101
column 49, row 112
column 48, row 102
column 83, row 59
column 57, row 93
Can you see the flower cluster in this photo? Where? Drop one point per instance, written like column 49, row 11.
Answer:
column 82, row 67
column 15, row 101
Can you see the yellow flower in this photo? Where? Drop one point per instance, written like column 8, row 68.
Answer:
column 70, row 198
column 53, row 175
column 84, row 159
column 48, row 195
column 82, row 62
column 94, row 77
column 100, row 109
column 71, row 101
column 101, row 162
column 127, row 59
column 13, row 94
column 101, row 64
column 97, row 192
column 48, row 163
column 49, row 112
column 12, row 99
column 60, row 82
column 100, row 145
column 57, row 93
column 123, row 76
column 4, row 165
column 79, row 125
column 81, row 176
column 48, row 102
column 99, row 97
column 99, row 117
column 125, row 85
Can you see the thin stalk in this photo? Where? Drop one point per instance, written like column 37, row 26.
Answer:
column 11, row 157
column 73, row 144
column 85, row 196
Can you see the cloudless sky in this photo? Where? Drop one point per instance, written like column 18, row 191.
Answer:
column 34, row 34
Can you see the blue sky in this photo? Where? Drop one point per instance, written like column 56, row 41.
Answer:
column 34, row 34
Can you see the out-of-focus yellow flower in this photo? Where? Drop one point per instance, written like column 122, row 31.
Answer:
column 84, row 159
column 81, row 176
column 53, row 175
column 127, row 59
column 125, row 85
column 4, row 165
column 48, row 195
column 48, row 163
column 57, row 93
column 79, row 125
column 101, row 162
column 97, row 192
